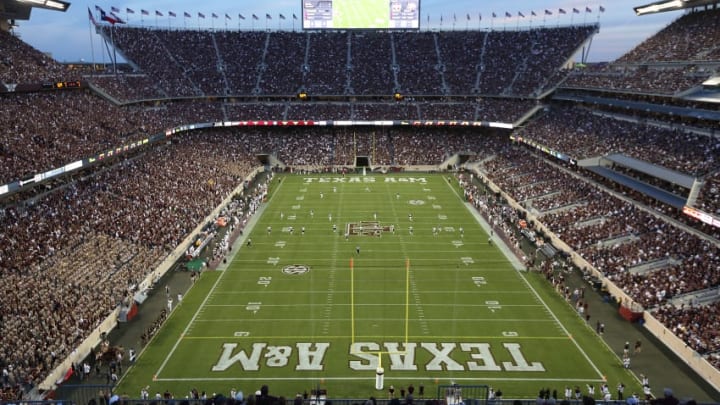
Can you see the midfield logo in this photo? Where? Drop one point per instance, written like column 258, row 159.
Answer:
column 311, row 356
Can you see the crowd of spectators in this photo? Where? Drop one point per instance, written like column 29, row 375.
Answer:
column 666, row 80
column 699, row 326
column 666, row 63
column 135, row 212
column 130, row 86
column 205, row 63
column 71, row 125
column 20, row 63
column 580, row 133
column 709, row 197
column 614, row 235
column 84, row 246
column 703, row 26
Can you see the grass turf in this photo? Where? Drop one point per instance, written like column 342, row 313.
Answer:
column 301, row 311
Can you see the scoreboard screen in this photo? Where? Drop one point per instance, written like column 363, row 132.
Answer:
column 361, row 14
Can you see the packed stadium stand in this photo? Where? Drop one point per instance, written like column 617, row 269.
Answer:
column 204, row 63
column 100, row 227
column 679, row 57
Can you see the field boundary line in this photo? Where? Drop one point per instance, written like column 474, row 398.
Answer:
column 519, row 267
column 239, row 243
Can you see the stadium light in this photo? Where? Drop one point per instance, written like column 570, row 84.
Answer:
column 49, row 4
column 658, row 7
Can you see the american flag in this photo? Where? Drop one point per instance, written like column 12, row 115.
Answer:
column 144, row 12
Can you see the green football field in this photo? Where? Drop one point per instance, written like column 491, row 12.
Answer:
column 325, row 308
column 361, row 14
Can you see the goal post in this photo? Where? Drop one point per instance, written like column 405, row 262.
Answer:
column 380, row 371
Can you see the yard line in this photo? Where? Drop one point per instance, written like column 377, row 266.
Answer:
column 418, row 338
column 440, row 376
column 282, row 292
column 372, row 319
column 375, row 305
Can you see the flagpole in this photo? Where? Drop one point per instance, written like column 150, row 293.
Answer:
column 92, row 46
column 114, row 55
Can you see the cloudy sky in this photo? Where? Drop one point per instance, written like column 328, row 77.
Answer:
column 67, row 35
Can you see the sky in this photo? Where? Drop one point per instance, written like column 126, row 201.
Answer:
column 67, row 36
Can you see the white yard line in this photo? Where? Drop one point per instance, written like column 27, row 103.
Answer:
column 443, row 377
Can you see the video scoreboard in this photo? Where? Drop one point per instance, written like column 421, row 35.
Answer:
column 365, row 14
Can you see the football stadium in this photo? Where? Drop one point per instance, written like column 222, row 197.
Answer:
column 361, row 209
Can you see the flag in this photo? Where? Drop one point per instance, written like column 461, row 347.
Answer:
column 255, row 17
column 507, row 14
column 454, row 17
column 97, row 8
column 494, row 15
column 268, row 16
column 520, row 14
column 576, row 11
column 213, row 15
column 227, row 16
column 118, row 19
column 172, row 14
column 532, row 13
column 548, row 12
column 561, row 11
column 479, row 17
column 114, row 9
column 468, row 17
column 588, row 9
column 602, row 9
column 129, row 11
column 144, row 12
column 159, row 14
column 282, row 17
column 294, row 16
column 240, row 16
column 186, row 14
column 201, row 15
column 92, row 19
column 112, row 19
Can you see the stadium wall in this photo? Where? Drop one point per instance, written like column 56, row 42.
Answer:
column 691, row 357
column 57, row 376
